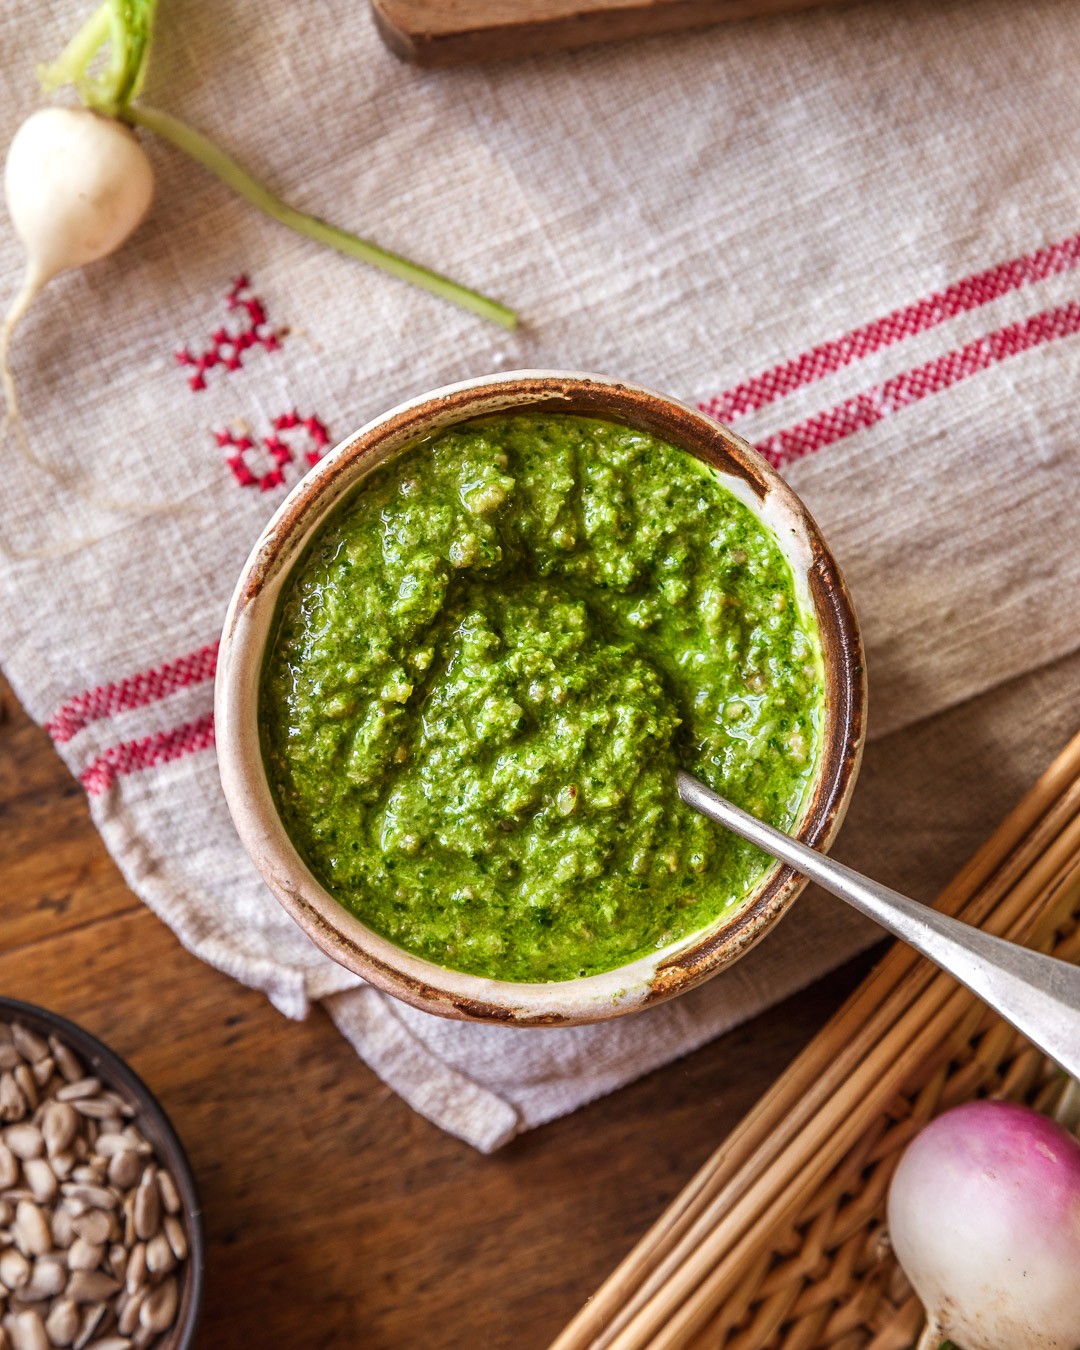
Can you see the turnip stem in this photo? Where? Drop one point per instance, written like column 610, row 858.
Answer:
column 211, row 157
column 71, row 64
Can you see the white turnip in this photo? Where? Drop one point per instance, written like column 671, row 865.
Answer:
column 76, row 185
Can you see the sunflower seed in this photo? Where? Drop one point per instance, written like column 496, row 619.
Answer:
column 159, row 1306
column 28, row 1333
column 121, row 1108
column 129, row 1314
column 159, row 1255
column 41, row 1179
column 24, row 1081
column 80, row 1089
column 59, row 1126
column 24, row 1140
column 14, row 1269
column 9, row 1056
column 95, row 1108
column 67, row 1061
column 62, row 1323
column 174, row 1231
column 94, row 1226
column 90, row 1286
column 28, row 1043
column 92, row 1320
column 46, row 1281
column 92, row 1197
column 90, row 1173
column 30, row 1230
column 109, row 1145
column 12, row 1102
column 138, row 1143
column 117, row 1261
column 136, row 1268
column 147, row 1206
column 83, row 1255
column 62, row 1225
column 170, row 1196
column 63, row 1163
column 43, row 1070
column 110, row 1343
column 9, row 1168
column 125, row 1169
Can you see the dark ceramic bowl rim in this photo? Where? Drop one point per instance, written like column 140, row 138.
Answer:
column 116, row 1072
column 249, row 623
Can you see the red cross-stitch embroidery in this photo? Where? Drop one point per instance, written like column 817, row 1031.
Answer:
column 240, row 444
column 317, row 435
column 226, row 348
column 276, row 446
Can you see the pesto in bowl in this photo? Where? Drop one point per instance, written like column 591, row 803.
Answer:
column 487, row 667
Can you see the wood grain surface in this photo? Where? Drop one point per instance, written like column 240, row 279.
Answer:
column 461, row 32
column 336, row 1217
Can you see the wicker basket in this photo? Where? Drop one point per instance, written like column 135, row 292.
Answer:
column 779, row 1240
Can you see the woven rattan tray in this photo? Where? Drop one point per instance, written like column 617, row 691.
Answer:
column 779, row 1240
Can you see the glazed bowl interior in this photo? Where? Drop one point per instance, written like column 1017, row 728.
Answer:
column 156, row 1128
column 250, row 623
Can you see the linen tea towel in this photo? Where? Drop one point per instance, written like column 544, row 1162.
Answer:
column 852, row 234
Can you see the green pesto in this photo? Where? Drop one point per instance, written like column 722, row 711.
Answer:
column 485, row 671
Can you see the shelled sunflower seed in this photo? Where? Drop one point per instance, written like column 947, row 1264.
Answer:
column 92, row 1240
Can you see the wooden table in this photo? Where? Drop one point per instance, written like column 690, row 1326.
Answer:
column 336, row 1217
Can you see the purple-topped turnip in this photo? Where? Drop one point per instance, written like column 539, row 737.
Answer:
column 984, row 1218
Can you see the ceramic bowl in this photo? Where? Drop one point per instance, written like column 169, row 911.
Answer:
column 671, row 970
column 154, row 1125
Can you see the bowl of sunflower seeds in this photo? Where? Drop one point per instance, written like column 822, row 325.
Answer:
column 101, row 1240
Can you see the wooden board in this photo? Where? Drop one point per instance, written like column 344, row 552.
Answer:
column 460, row 32
column 337, row 1217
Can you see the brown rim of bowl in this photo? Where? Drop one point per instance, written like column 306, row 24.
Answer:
column 151, row 1119
column 641, row 983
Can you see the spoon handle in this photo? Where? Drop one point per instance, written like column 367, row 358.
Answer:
column 1039, row 995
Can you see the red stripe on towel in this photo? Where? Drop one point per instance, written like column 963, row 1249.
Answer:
column 873, row 405
column 101, row 773
column 967, row 294
column 135, row 691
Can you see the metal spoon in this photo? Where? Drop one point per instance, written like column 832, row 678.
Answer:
column 1037, row 994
